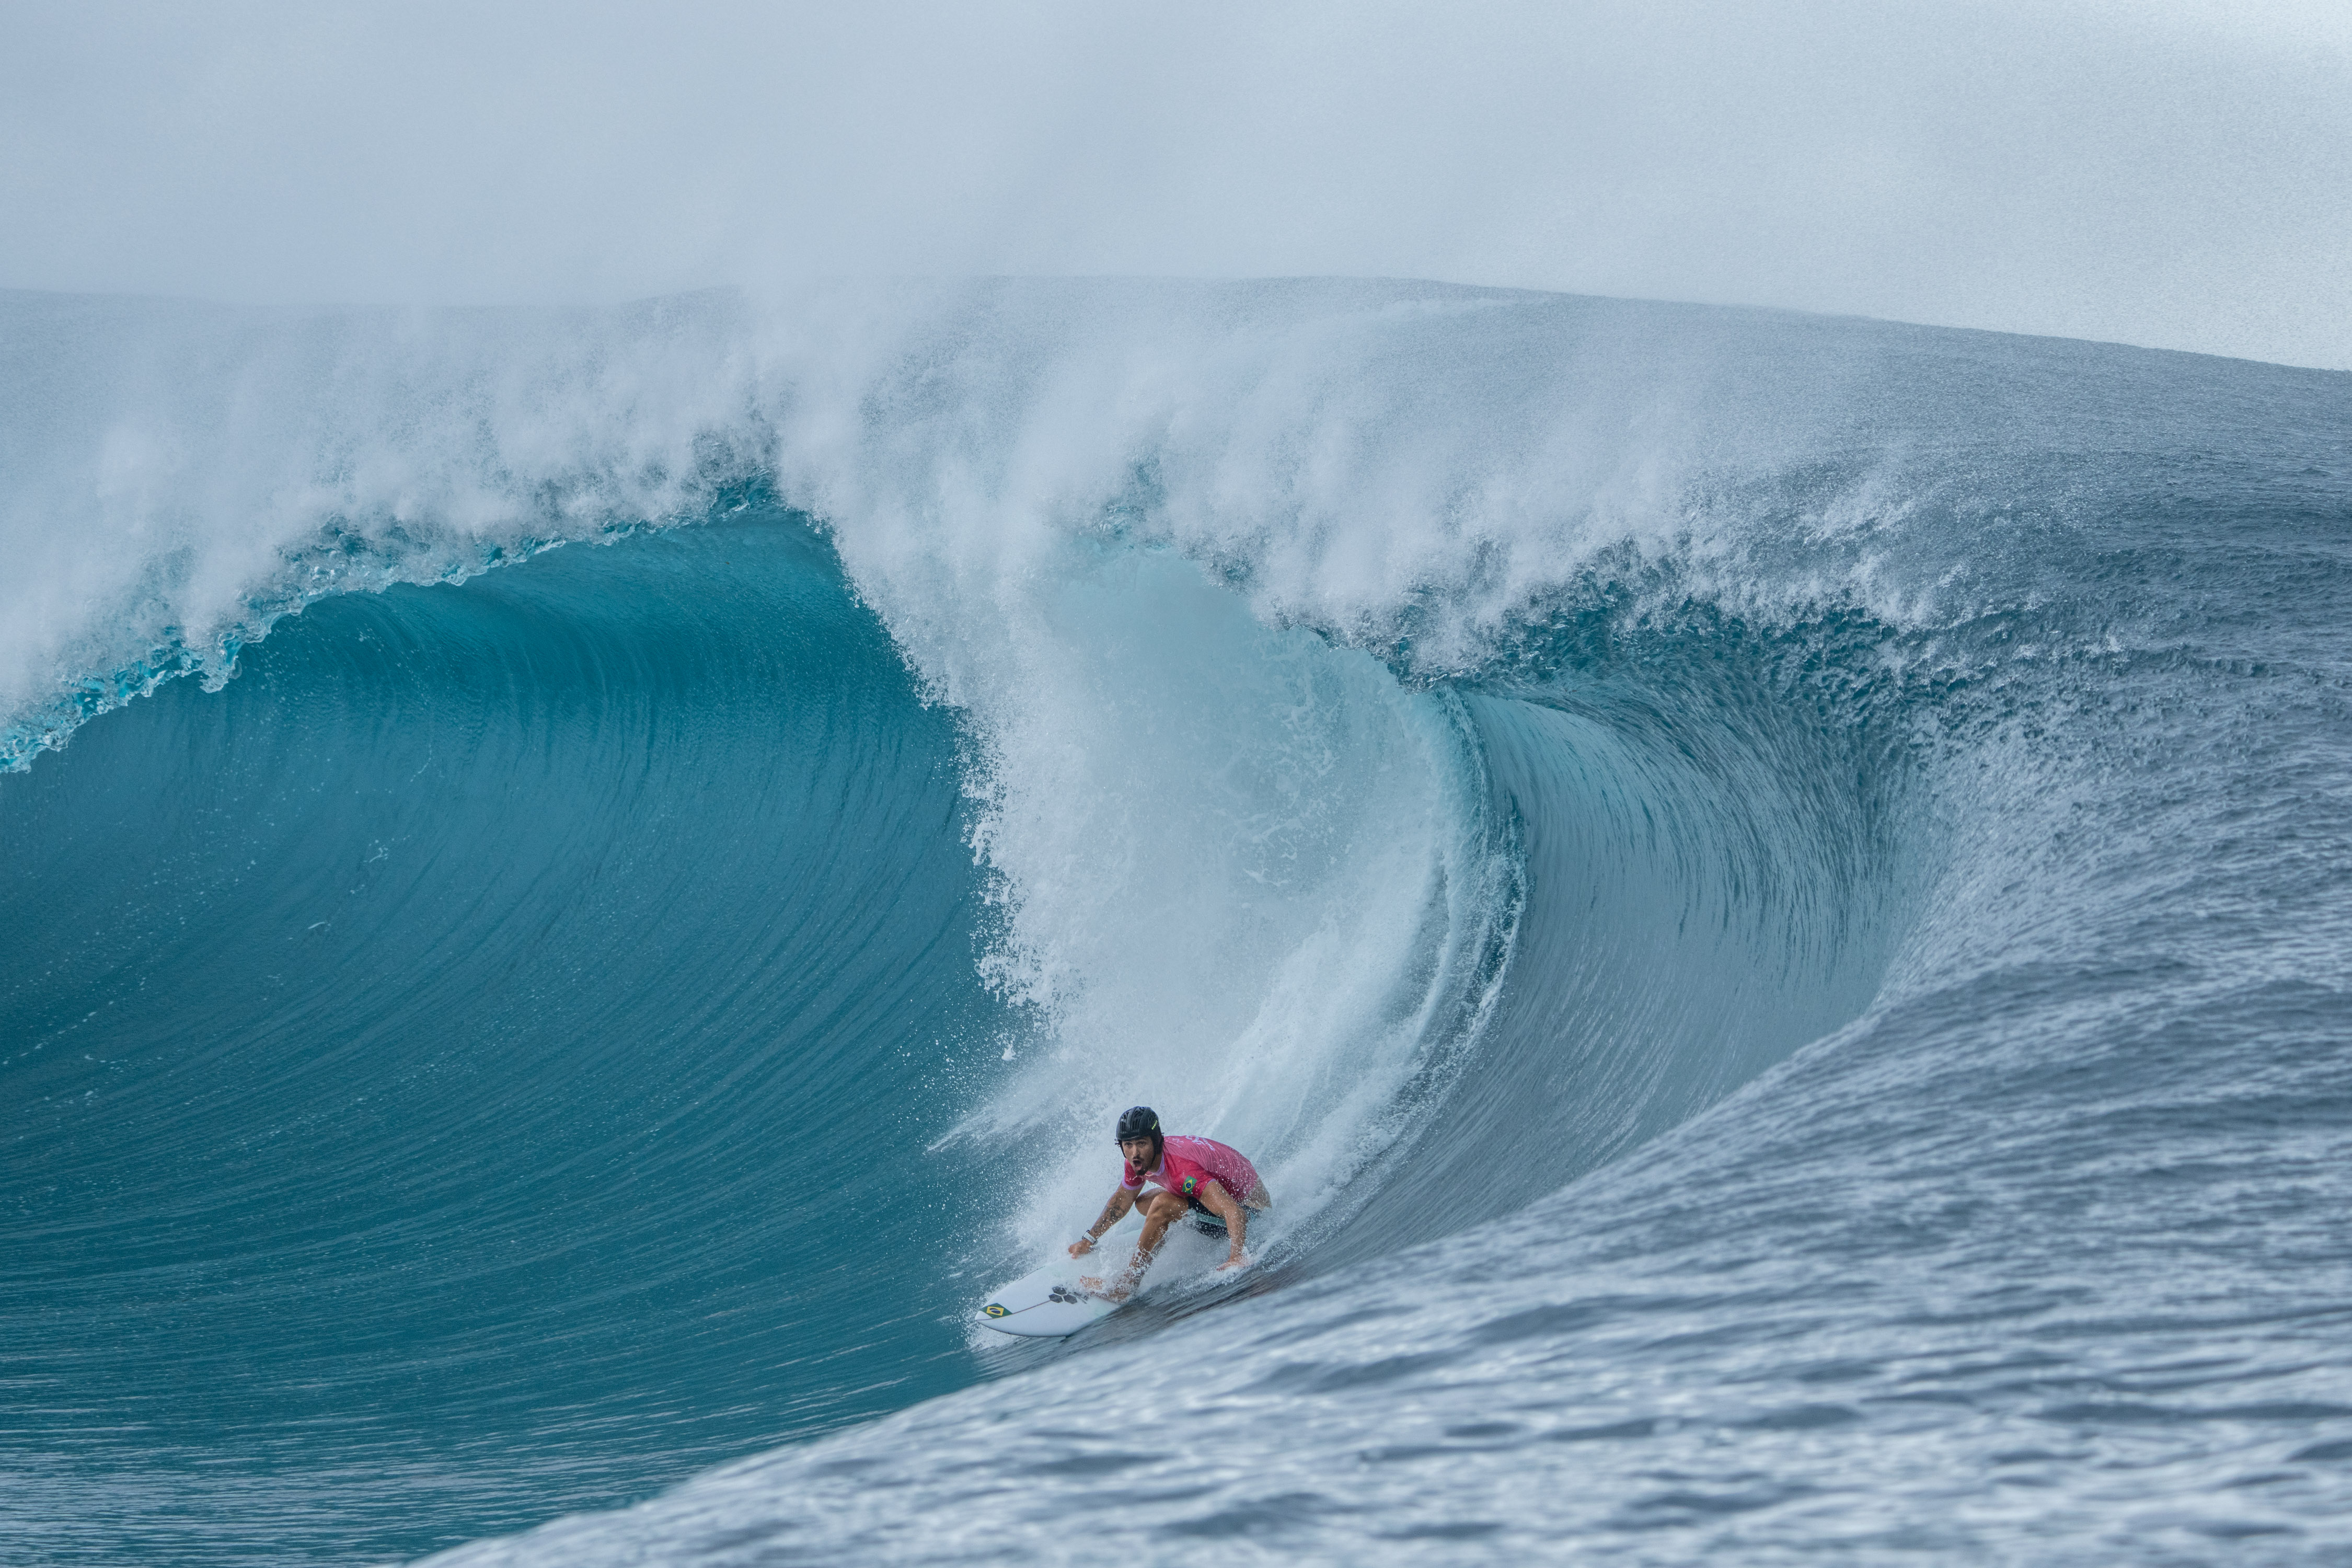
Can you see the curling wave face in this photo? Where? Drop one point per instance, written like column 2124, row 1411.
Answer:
column 483, row 971
column 533, row 1033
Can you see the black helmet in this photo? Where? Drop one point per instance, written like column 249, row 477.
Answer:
column 1138, row 1122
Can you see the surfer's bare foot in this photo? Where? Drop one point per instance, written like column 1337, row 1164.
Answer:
column 1238, row 1260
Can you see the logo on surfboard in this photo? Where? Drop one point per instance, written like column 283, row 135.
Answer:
column 996, row 1310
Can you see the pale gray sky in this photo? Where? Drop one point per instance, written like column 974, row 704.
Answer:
column 2172, row 174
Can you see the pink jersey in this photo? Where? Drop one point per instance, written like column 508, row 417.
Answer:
column 1186, row 1165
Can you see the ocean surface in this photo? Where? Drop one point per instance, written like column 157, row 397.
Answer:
column 1771, row 895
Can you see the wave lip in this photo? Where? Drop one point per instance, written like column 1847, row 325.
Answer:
column 1411, row 468
column 174, row 478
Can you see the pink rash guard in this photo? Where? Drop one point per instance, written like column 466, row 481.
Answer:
column 1187, row 1165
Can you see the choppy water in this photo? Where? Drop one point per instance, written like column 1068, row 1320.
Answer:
column 1769, row 894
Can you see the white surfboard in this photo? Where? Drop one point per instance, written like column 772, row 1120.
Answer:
column 1048, row 1304
column 1051, row 1304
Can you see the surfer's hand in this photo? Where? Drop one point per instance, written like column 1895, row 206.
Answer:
column 1081, row 1247
column 1240, row 1260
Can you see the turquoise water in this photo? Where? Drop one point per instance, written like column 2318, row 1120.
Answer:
column 325, row 1150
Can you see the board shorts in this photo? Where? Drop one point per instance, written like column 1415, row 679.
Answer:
column 1206, row 1220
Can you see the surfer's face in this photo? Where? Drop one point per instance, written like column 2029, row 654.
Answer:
column 1138, row 1151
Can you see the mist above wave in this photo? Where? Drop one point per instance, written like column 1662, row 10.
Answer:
column 1411, row 468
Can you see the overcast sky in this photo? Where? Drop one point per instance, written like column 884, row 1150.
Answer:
column 2174, row 173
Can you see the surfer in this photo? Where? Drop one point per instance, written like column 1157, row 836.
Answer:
column 1196, row 1177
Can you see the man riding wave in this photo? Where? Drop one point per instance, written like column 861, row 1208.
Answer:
column 1171, row 1178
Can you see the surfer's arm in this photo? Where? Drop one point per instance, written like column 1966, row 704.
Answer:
column 1121, row 1200
column 1219, row 1202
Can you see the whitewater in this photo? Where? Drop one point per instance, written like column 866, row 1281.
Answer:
column 1769, row 894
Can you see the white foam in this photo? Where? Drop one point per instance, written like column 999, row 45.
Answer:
column 172, row 476
column 1392, row 463
column 1245, row 878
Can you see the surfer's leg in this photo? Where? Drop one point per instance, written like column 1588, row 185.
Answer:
column 1258, row 1198
column 1160, row 1212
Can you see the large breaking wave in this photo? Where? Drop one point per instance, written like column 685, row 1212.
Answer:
column 495, row 1044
